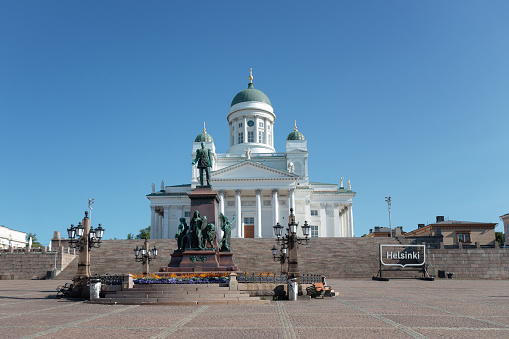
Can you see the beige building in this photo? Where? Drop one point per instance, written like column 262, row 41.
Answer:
column 455, row 232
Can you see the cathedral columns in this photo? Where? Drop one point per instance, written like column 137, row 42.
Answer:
column 323, row 221
column 258, row 219
column 337, row 227
column 292, row 199
column 350, row 221
column 166, row 222
column 308, row 210
column 275, row 205
column 154, row 234
column 245, row 129
column 266, row 129
column 238, row 206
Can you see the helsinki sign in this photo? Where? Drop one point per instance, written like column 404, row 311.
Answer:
column 403, row 255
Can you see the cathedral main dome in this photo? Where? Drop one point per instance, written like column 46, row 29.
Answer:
column 250, row 94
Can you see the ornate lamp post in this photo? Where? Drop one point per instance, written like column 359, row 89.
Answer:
column 84, row 238
column 145, row 255
column 289, row 243
column 281, row 257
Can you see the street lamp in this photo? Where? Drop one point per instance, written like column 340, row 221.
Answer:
column 389, row 203
column 84, row 238
column 289, row 243
column 145, row 255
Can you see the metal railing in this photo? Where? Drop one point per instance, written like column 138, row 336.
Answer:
column 262, row 278
column 311, row 278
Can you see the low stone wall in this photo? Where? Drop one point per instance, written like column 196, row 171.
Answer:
column 487, row 263
column 14, row 266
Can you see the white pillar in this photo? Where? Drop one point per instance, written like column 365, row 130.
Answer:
column 266, row 129
column 258, row 219
column 154, row 232
column 238, row 205
column 166, row 222
column 343, row 222
column 308, row 211
column 292, row 199
column 350, row 220
column 245, row 129
column 275, row 206
column 337, row 227
column 323, row 221
column 159, row 224
column 219, row 232
column 257, row 129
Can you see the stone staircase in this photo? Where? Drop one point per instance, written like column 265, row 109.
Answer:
column 184, row 294
column 332, row 257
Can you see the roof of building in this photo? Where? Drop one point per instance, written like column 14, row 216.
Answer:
column 250, row 94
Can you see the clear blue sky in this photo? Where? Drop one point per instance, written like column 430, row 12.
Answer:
column 98, row 99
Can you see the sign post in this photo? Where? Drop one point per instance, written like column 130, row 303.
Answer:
column 402, row 258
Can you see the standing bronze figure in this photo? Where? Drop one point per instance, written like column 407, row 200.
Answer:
column 203, row 161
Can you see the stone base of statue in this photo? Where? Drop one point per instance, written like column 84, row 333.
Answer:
column 210, row 259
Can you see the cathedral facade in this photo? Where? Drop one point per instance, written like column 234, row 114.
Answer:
column 255, row 183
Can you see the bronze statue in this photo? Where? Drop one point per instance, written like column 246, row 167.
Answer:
column 197, row 225
column 182, row 235
column 208, row 235
column 203, row 161
column 226, row 227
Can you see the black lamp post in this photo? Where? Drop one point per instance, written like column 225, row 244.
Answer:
column 289, row 242
column 84, row 238
column 145, row 255
column 281, row 257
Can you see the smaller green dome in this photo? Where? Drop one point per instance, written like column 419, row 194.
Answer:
column 204, row 137
column 295, row 135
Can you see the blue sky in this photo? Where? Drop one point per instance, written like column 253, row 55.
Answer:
column 404, row 98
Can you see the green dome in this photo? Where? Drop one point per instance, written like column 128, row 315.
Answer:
column 250, row 94
column 204, row 137
column 295, row 135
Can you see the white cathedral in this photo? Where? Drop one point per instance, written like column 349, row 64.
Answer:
column 255, row 183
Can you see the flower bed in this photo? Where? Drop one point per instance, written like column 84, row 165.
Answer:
column 194, row 278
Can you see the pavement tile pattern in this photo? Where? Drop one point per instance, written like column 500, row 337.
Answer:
column 363, row 309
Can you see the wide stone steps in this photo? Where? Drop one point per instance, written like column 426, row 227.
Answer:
column 178, row 295
column 332, row 257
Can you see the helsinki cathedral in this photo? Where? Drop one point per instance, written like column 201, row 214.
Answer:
column 256, row 183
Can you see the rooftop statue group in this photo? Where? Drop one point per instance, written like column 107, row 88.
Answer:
column 200, row 233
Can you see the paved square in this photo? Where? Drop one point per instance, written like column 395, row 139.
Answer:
column 363, row 309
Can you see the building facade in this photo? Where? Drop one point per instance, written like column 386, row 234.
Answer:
column 455, row 232
column 255, row 183
column 12, row 238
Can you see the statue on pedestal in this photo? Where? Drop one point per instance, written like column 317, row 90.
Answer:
column 208, row 235
column 203, row 161
column 182, row 235
column 226, row 227
column 198, row 224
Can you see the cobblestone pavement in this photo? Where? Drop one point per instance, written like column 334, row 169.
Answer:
column 363, row 309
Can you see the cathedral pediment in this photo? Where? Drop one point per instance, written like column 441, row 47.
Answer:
column 251, row 170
